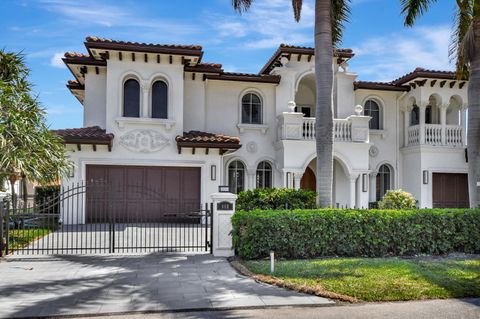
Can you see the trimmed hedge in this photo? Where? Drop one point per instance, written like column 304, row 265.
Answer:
column 276, row 198
column 355, row 233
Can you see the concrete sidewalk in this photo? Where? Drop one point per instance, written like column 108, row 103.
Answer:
column 72, row 285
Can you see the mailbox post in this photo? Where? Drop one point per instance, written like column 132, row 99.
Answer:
column 223, row 209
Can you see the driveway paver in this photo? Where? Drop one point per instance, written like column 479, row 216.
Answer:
column 72, row 285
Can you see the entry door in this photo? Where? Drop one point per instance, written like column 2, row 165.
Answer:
column 450, row 190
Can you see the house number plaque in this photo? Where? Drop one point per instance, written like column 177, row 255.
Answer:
column 224, row 206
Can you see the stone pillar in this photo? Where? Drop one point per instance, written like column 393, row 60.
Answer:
column 463, row 123
column 362, row 197
column 353, row 192
column 223, row 210
column 291, row 124
column 422, row 109
column 144, row 100
column 373, row 187
column 250, row 179
column 297, row 177
column 406, row 115
column 360, row 127
column 443, row 122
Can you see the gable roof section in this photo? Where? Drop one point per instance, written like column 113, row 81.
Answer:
column 383, row 86
column 86, row 135
column 285, row 49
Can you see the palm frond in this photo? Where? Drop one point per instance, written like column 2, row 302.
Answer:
column 297, row 9
column 241, row 5
column 412, row 9
column 462, row 37
column 340, row 15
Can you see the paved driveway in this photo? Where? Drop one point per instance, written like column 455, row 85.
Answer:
column 66, row 285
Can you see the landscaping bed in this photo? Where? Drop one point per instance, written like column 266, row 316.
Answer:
column 374, row 279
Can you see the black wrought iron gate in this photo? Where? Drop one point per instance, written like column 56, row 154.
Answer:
column 75, row 221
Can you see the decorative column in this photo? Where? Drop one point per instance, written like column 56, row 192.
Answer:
column 463, row 123
column 353, row 179
column 443, row 122
column 373, row 187
column 250, row 179
column 144, row 100
column 406, row 118
column 422, row 107
column 297, row 178
column 223, row 210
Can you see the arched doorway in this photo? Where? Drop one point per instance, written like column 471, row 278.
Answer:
column 308, row 180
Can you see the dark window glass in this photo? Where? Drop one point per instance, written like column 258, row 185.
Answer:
column 159, row 100
column 415, row 116
column 372, row 109
column 264, row 175
column 428, row 115
column 236, row 177
column 131, row 98
column 383, row 181
column 251, row 109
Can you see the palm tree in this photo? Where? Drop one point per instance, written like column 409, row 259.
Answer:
column 330, row 16
column 465, row 49
column 28, row 148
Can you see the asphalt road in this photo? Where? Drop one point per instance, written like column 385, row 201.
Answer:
column 438, row 309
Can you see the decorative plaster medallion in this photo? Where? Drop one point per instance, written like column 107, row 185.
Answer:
column 252, row 147
column 144, row 141
column 373, row 151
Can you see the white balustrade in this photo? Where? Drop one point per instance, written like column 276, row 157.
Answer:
column 433, row 135
column 414, row 135
column 454, row 135
column 342, row 130
column 308, row 128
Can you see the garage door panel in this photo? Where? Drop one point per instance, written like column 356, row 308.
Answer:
column 142, row 193
column 450, row 190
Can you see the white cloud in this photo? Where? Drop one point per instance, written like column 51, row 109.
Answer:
column 56, row 60
column 388, row 57
column 267, row 24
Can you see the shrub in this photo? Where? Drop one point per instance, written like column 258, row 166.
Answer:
column 354, row 233
column 397, row 199
column 46, row 199
column 276, row 198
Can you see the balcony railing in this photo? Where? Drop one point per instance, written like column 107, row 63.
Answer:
column 293, row 126
column 435, row 134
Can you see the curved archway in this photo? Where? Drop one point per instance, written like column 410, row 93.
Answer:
column 305, row 94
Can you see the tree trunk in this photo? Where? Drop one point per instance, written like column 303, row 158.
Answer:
column 24, row 190
column 12, row 180
column 324, row 103
column 473, row 134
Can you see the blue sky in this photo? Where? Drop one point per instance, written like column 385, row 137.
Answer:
column 45, row 29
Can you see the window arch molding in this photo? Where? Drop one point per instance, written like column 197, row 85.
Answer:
column 381, row 108
column 158, row 76
column 129, row 75
column 261, row 96
column 232, row 168
column 380, row 178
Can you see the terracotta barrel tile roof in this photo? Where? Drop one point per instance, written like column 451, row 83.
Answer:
column 87, row 135
column 72, row 54
column 386, row 86
column 106, row 40
column 424, row 73
column 204, row 139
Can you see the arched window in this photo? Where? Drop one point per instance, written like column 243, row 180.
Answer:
column 428, row 115
column 159, row 100
column 251, row 109
column 264, row 175
column 372, row 109
column 236, row 177
column 384, row 181
column 131, row 98
column 415, row 115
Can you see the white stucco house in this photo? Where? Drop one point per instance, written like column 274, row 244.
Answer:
column 159, row 117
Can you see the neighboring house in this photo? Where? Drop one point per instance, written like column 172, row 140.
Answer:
column 158, row 117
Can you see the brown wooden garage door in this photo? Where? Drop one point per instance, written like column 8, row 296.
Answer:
column 450, row 190
column 141, row 194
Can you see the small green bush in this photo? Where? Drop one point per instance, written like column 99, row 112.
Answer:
column 397, row 199
column 355, row 233
column 276, row 198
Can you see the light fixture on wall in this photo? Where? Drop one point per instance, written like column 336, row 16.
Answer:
column 364, row 182
column 213, row 172
column 425, row 177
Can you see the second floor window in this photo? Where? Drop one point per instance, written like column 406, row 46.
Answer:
column 251, row 109
column 131, row 98
column 372, row 109
column 159, row 100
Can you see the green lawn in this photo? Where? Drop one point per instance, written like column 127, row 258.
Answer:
column 381, row 279
column 22, row 237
